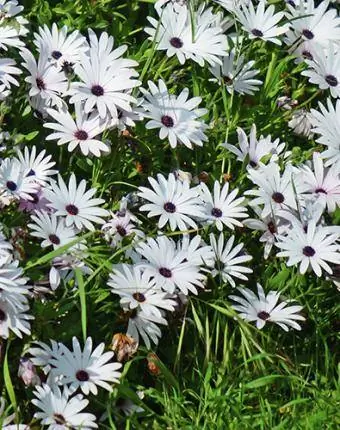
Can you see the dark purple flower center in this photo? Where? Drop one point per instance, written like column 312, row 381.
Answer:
column 321, row 190
column 278, row 197
column 40, row 83
column 271, row 227
column 165, row 272
column 308, row 55
column 176, row 42
column 256, row 32
column 121, row 230
column 31, row 173
column 2, row 315
column 81, row 135
column 252, row 164
column 227, row 80
column 35, row 198
column 82, row 375
column 54, row 239
column 56, row 55
column 12, row 186
column 139, row 297
column 72, row 210
column 167, row 121
column 97, row 90
column 331, row 80
column 216, row 212
column 308, row 34
column 59, row 419
column 169, row 207
column 263, row 315
column 308, row 251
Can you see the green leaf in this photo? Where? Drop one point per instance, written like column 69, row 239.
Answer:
column 8, row 381
column 264, row 380
column 82, row 296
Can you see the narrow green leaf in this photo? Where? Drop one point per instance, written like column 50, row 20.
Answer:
column 82, row 296
column 8, row 381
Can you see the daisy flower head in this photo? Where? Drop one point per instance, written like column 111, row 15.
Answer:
column 262, row 22
column 105, row 85
column 85, row 369
column 222, row 208
column 45, row 79
column 311, row 26
column 177, row 117
column 37, row 166
column 14, row 181
column 60, row 411
column 122, row 224
column 253, row 148
column 51, row 229
column 312, row 247
column 174, row 34
column 137, row 290
column 326, row 123
column 13, row 285
column 60, row 47
column 81, row 131
column 75, row 203
column 173, row 200
column 237, row 75
column 322, row 183
column 10, row 36
column 169, row 268
column 42, row 353
column 275, row 191
column 196, row 251
column 38, row 202
column 324, row 69
column 264, row 308
column 229, row 259
column 301, row 124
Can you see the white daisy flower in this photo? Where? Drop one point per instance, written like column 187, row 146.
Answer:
column 263, row 308
column 14, row 180
column 270, row 226
column 86, row 369
column 237, row 75
column 261, row 22
column 61, row 48
column 45, row 79
column 52, row 229
column 14, row 318
column 161, row 259
column 75, row 203
column 80, row 131
column 177, row 117
column 7, row 69
column 322, row 183
column 229, row 260
column 324, row 69
column 37, row 166
column 173, row 200
column 313, row 248
column 121, row 224
column 197, row 35
column 222, row 208
column 196, row 251
column 59, row 411
column 104, row 85
column 326, row 123
column 274, row 192
column 255, row 149
column 145, row 326
column 301, row 124
column 311, row 26
column 138, row 290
